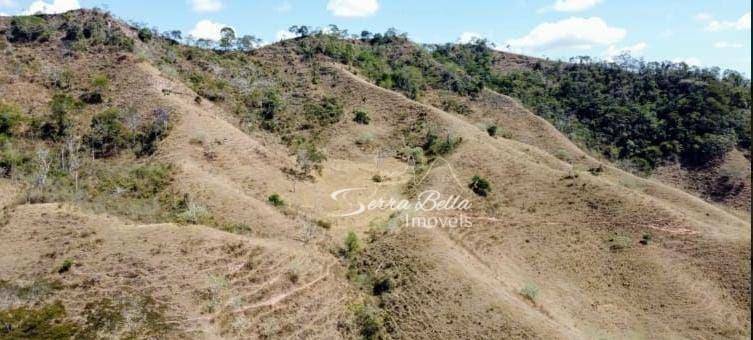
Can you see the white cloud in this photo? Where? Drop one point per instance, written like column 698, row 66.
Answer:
column 353, row 8
column 206, row 29
column 580, row 33
column 713, row 25
column 574, row 5
column 725, row 44
column 4, row 14
column 57, row 6
column 284, row 35
column 692, row 61
column 468, row 37
column 7, row 3
column 206, row 5
column 284, row 7
column 635, row 50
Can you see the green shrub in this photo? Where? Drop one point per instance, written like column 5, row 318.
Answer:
column 409, row 80
column 144, row 181
column 151, row 131
column 620, row 243
column 11, row 159
column 100, row 82
column 28, row 29
column 275, row 200
column 107, row 135
column 453, row 105
column 491, row 130
column 324, row 224
column 352, row 244
column 271, row 104
column 370, row 322
column 65, row 266
column 327, row 111
column 530, row 291
column 383, row 285
column 56, row 125
column 194, row 213
column 479, row 186
column 434, row 146
column 145, row 34
column 10, row 119
column 362, row 117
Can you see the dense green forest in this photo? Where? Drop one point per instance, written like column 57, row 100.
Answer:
column 644, row 113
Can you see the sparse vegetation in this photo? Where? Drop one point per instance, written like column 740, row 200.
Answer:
column 352, row 244
column 145, row 34
column 324, row 224
column 65, row 266
column 361, row 117
column 491, row 130
column 436, row 146
column 453, row 105
column 480, row 186
column 646, row 239
column 369, row 321
column 275, row 200
column 46, row 322
column 620, row 242
column 530, row 291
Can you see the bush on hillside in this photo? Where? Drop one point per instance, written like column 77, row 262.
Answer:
column 107, row 135
column 145, row 34
column 10, row 119
column 28, row 28
column 361, row 117
column 58, row 122
column 480, row 186
column 326, row 112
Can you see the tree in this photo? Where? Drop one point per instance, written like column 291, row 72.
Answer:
column 366, row 35
column 247, row 43
column 301, row 31
column 227, row 38
column 204, row 43
column 176, row 35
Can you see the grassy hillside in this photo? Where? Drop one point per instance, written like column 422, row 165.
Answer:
column 156, row 189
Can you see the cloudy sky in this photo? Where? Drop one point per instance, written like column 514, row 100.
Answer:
column 705, row 33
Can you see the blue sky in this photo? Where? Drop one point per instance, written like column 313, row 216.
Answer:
column 707, row 33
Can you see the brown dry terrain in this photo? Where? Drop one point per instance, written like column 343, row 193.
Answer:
column 563, row 246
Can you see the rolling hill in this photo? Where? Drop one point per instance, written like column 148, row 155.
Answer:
column 153, row 189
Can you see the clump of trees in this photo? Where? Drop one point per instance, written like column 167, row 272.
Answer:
column 114, row 130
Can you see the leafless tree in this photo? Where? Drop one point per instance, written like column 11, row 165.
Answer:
column 43, row 163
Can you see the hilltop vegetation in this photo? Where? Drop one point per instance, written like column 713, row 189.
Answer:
column 646, row 113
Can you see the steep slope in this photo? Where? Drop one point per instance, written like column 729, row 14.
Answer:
column 568, row 206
